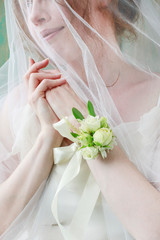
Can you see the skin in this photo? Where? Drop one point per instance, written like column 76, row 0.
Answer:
column 111, row 174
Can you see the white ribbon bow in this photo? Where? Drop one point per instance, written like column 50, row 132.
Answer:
column 86, row 205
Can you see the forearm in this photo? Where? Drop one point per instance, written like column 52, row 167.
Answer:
column 19, row 188
column 133, row 199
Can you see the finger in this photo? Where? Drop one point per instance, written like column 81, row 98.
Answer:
column 56, row 71
column 52, row 100
column 31, row 62
column 46, row 85
column 36, row 67
column 36, row 78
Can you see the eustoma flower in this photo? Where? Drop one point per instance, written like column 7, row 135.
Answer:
column 89, row 153
column 90, row 124
column 103, row 137
column 94, row 135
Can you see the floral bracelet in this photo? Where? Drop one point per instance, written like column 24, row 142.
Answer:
column 94, row 135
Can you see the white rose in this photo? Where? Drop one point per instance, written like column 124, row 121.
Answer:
column 89, row 153
column 90, row 124
column 103, row 136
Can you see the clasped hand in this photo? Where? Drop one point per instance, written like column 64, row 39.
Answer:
column 49, row 95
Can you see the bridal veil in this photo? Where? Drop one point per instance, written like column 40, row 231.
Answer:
column 81, row 49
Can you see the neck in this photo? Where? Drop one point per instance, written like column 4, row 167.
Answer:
column 107, row 56
column 107, row 53
column 110, row 64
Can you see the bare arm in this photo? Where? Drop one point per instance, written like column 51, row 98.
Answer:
column 133, row 199
column 19, row 188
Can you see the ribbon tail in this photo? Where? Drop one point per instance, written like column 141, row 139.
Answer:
column 70, row 173
column 85, row 209
column 76, row 229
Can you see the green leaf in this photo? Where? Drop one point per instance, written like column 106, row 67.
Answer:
column 82, row 147
column 98, row 144
column 75, row 135
column 77, row 114
column 91, row 109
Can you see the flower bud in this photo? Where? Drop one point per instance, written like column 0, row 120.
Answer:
column 104, row 123
column 103, row 136
column 90, row 124
column 89, row 153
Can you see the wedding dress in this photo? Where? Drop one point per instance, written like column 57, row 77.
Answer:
column 37, row 220
column 69, row 205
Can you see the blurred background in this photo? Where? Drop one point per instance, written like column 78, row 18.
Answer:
column 3, row 36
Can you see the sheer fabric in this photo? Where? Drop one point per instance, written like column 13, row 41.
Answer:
column 91, row 56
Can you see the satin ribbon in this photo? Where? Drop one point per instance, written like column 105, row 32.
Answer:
column 86, row 205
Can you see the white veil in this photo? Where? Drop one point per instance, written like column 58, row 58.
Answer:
column 82, row 51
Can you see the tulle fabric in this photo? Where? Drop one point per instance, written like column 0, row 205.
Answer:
column 37, row 221
column 80, row 63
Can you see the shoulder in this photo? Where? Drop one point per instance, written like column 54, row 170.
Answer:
column 143, row 93
column 147, row 87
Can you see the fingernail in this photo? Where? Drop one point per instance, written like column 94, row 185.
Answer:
column 62, row 79
column 47, row 59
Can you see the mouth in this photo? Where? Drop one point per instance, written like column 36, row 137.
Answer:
column 49, row 33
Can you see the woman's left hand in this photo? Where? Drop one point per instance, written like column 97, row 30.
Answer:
column 62, row 99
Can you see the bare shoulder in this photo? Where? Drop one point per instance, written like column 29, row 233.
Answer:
column 145, row 83
column 151, row 86
column 148, row 90
column 142, row 94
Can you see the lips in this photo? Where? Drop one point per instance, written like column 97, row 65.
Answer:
column 48, row 33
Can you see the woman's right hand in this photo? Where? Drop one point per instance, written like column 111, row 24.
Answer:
column 38, row 82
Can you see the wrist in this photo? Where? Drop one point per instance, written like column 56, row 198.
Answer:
column 50, row 137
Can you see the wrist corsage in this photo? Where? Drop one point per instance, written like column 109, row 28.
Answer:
column 94, row 135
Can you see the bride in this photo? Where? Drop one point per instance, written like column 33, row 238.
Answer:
column 105, row 51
